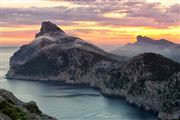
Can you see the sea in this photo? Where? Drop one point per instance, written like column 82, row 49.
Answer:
column 68, row 102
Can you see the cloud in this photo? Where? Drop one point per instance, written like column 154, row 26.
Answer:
column 155, row 12
column 137, row 13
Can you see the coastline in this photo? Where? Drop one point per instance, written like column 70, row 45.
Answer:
column 87, row 85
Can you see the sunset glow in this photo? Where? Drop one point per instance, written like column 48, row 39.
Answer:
column 95, row 21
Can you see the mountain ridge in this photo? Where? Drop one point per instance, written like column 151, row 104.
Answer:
column 146, row 44
column 150, row 40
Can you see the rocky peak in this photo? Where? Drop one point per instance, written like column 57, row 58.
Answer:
column 149, row 58
column 159, row 67
column 144, row 39
column 48, row 27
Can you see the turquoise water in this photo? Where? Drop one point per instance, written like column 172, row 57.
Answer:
column 69, row 102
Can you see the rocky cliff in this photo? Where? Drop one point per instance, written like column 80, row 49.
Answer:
column 11, row 108
column 148, row 80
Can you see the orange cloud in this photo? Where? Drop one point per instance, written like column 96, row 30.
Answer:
column 99, row 22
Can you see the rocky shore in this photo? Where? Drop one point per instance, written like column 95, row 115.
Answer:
column 11, row 108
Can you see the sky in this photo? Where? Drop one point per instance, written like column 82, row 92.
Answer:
column 106, row 23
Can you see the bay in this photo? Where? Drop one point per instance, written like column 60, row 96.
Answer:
column 68, row 102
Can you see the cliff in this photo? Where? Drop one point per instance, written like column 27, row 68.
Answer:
column 148, row 80
column 11, row 108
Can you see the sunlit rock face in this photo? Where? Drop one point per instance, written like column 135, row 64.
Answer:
column 147, row 80
column 146, row 44
column 11, row 108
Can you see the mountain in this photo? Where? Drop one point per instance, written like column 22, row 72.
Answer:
column 146, row 44
column 11, row 108
column 154, row 84
column 148, row 80
column 53, row 50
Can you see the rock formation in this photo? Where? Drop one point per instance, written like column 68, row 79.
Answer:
column 148, row 80
column 11, row 108
column 48, row 27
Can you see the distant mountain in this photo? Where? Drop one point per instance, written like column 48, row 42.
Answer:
column 146, row 44
column 148, row 80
